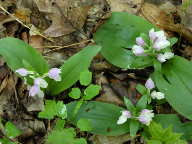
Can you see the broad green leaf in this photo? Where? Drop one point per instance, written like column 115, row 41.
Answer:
column 103, row 117
column 175, row 81
column 19, row 54
column 75, row 93
column 53, row 109
column 85, row 78
column 72, row 68
column 134, row 127
column 65, row 136
column 11, row 130
column 84, row 125
column 91, row 91
column 129, row 104
column 118, row 34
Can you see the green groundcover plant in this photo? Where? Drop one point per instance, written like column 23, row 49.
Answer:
column 126, row 41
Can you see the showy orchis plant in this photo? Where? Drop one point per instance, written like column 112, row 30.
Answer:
column 154, row 44
column 38, row 81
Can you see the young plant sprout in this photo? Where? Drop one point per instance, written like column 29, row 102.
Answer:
column 39, row 82
column 155, row 45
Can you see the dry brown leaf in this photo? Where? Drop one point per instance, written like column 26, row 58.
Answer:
column 36, row 41
column 130, row 6
column 66, row 16
column 99, row 139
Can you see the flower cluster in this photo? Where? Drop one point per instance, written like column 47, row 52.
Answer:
column 145, row 116
column 39, row 82
column 155, row 47
column 154, row 94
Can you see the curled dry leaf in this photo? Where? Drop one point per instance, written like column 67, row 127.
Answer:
column 163, row 20
column 66, row 16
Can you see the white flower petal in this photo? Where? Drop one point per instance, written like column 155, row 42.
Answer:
column 40, row 82
column 157, row 95
column 122, row 119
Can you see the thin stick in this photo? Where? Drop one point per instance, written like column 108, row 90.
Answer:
column 23, row 23
column 61, row 47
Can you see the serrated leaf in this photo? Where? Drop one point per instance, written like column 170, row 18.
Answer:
column 19, row 54
column 91, row 91
column 11, row 130
column 53, row 109
column 84, row 124
column 59, row 124
column 72, row 68
column 85, row 78
column 103, row 117
column 173, row 120
column 119, row 33
column 65, row 136
column 75, row 93
column 165, row 135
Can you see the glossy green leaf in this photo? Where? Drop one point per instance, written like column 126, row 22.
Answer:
column 91, row 91
column 84, row 124
column 85, row 78
column 141, row 89
column 119, row 33
column 175, row 81
column 103, row 117
column 72, row 68
column 80, row 141
column 75, row 93
column 19, row 54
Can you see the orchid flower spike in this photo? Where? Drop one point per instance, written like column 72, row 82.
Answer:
column 146, row 116
column 124, row 116
column 149, row 84
column 158, row 39
column 138, row 50
column 54, row 74
column 22, row 72
column 157, row 95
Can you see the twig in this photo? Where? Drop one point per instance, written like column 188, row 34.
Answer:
column 19, row 21
column 61, row 47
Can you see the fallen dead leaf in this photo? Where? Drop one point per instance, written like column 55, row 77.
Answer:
column 130, row 6
column 66, row 16
column 99, row 139
column 163, row 20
